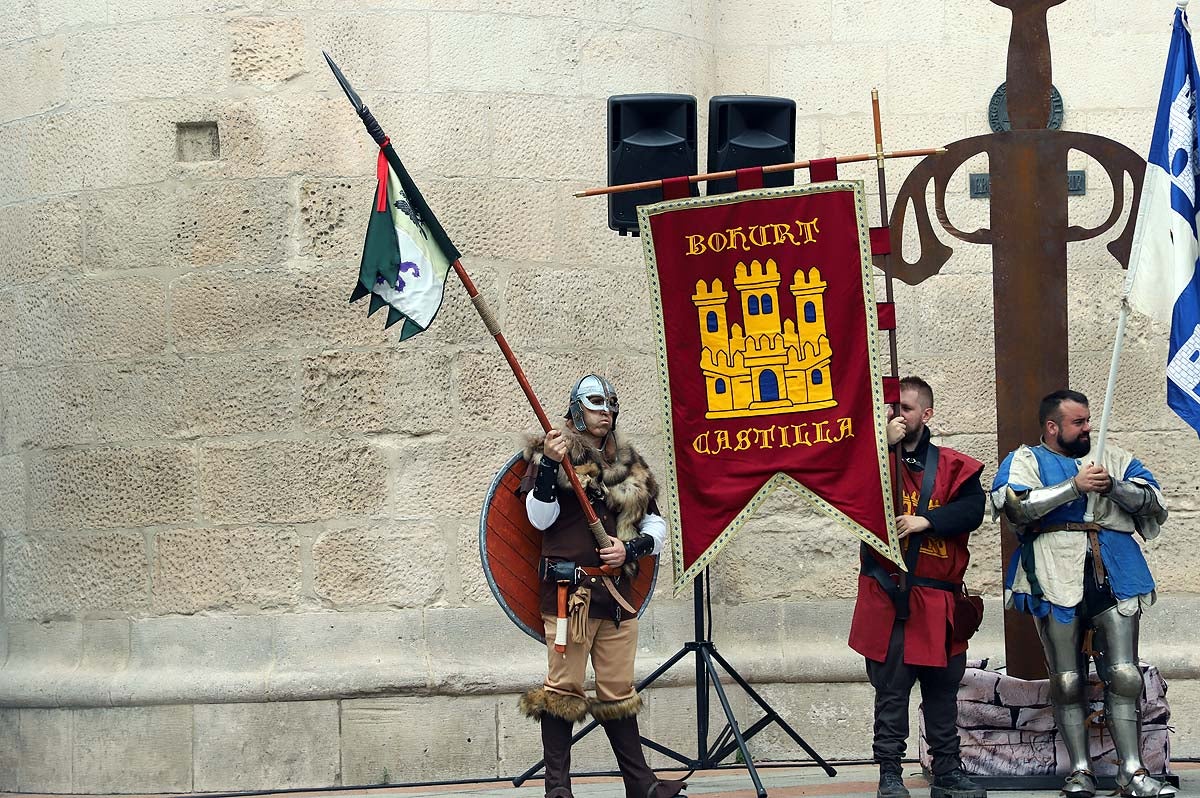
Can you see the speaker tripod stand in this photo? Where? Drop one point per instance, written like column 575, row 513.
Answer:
column 732, row 737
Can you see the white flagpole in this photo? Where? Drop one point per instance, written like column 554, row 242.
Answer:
column 1102, row 438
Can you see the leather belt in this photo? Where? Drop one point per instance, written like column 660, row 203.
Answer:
column 604, row 575
column 1070, row 526
column 1093, row 538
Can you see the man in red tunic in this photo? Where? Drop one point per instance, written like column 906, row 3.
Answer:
column 904, row 625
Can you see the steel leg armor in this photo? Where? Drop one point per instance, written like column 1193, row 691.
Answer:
column 1062, row 644
column 1117, row 637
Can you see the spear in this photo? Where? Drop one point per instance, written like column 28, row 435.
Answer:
column 477, row 299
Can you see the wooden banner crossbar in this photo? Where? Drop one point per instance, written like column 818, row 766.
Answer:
column 780, row 167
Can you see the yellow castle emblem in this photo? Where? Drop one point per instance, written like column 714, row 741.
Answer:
column 771, row 366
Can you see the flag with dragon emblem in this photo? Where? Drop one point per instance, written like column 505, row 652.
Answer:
column 404, row 261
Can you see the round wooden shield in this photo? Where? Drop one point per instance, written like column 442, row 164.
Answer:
column 510, row 548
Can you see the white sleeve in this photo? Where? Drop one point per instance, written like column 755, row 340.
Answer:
column 656, row 527
column 541, row 514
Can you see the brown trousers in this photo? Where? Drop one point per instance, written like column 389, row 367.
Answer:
column 611, row 648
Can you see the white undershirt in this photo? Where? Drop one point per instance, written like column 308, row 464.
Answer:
column 543, row 514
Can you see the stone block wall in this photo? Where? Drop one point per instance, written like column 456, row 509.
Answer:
column 228, row 500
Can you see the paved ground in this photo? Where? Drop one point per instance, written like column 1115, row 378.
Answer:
column 852, row 781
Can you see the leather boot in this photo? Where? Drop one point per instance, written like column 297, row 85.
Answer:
column 640, row 781
column 556, row 748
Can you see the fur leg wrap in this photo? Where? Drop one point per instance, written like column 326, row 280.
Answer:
column 540, row 701
column 615, row 710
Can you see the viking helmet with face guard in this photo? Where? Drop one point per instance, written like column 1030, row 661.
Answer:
column 594, row 393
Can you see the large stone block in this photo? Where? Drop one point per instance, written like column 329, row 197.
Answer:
column 584, row 239
column 500, row 657
column 830, row 717
column 455, row 740
column 916, row 21
column 514, row 219
column 468, row 585
column 225, row 569
column 748, row 71
column 18, row 20
column 1114, row 71
column 131, row 62
column 373, row 392
column 542, row 140
column 228, row 222
column 964, row 390
column 54, row 16
column 12, row 495
column 40, row 239
column 332, row 217
column 134, row 749
column 772, row 24
column 787, row 550
column 643, row 60
column 540, row 321
column 136, row 400
column 46, row 408
column 181, row 660
column 276, row 136
column 266, row 746
column 492, row 401
column 946, row 314
column 825, row 78
column 112, row 487
column 89, row 319
column 291, row 481
column 44, row 755
column 344, row 654
column 441, row 144
column 10, row 751
column 239, row 394
column 265, row 50
column 496, row 53
column 56, row 575
column 215, row 311
column 35, row 71
column 364, row 47
column 374, row 565
column 449, row 477
column 1174, row 557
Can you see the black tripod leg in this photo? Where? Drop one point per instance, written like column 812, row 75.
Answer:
column 737, row 734
column 800, row 741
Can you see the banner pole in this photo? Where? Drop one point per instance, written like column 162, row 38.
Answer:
column 781, row 167
column 889, row 296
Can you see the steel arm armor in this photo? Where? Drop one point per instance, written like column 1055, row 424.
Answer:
column 1029, row 505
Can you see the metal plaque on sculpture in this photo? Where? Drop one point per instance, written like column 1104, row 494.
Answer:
column 766, row 324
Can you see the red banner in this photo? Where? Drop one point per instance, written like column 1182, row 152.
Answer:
column 770, row 365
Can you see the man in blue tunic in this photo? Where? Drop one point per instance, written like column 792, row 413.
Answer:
column 1073, row 575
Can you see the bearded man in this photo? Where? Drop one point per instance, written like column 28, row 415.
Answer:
column 593, row 618
column 1074, row 575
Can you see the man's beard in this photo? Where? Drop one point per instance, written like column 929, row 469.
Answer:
column 1076, row 448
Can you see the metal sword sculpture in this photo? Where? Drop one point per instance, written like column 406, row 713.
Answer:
column 477, row 299
column 1029, row 233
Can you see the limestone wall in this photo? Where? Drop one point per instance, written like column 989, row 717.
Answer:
column 229, row 501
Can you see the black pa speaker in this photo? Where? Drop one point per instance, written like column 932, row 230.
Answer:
column 650, row 136
column 748, row 131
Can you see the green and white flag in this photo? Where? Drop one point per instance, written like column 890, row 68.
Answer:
column 407, row 255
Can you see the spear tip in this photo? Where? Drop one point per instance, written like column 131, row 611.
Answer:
column 351, row 94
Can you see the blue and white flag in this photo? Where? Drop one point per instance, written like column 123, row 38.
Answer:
column 1164, row 281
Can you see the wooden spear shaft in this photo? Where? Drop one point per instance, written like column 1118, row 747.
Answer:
column 477, row 299
column 781, row 167
column 489, row 320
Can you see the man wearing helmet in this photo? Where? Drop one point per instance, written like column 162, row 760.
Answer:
column 622, row 492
